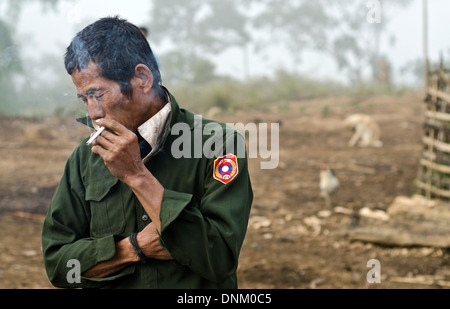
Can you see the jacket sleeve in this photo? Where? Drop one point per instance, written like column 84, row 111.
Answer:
column 65, row 235
column 206, row 234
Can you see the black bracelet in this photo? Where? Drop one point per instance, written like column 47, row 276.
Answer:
column 139, row 252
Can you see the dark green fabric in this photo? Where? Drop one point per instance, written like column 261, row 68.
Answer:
column 203, row 221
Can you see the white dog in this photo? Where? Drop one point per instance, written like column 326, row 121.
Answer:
column 367, row 131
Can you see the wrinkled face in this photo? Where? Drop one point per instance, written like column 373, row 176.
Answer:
column 104, row 99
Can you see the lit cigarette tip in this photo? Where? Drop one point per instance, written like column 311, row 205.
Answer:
column 96, row 134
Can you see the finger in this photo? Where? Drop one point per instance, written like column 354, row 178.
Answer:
column 113, row 142
column 103, row 142
column 108, row 136
column 97, row 149
column 105, row 150
column 118, row 129
column 112, row 125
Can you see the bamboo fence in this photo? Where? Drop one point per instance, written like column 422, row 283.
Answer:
column 433, row 179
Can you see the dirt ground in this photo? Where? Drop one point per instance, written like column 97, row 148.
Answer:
column 291, row 241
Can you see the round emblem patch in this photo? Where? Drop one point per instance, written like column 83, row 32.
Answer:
column 225, row 168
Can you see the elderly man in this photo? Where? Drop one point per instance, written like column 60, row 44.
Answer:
column 128, row 213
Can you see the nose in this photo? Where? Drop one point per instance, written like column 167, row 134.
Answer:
column 95, row 109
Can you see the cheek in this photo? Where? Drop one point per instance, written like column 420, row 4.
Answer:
column 120, row 109
column 124, row 105
column 117, row 101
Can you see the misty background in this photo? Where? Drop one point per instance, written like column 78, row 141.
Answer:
column 228, row 54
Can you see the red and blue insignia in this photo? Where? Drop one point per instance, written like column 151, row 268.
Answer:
column 225, row 168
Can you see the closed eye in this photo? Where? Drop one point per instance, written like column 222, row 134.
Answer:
column 91, row 95
column 99, row 96
column 82, row 98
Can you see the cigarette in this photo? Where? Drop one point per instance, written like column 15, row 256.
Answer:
column 96, row 134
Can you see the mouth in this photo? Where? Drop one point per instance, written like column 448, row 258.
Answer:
column 96, row 126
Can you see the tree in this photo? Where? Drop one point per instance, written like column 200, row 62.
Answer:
column 12, row 8
column 343, row 29
column 10, row 62
column 9, row 65
column 197, row 29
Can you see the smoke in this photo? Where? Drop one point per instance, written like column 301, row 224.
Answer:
column 80, row 57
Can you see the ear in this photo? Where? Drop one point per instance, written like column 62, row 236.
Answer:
column 144, row 77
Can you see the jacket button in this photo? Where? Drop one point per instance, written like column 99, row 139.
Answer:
column 144, row 218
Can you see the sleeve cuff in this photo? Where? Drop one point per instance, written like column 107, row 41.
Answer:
column 172, row 205
column 105, row 247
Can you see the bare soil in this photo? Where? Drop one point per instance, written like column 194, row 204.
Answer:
column 293, row 239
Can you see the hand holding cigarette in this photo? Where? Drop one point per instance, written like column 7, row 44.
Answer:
column 119, row 149
column 95, row 135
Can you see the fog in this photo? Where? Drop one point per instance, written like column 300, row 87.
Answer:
column 40, row 31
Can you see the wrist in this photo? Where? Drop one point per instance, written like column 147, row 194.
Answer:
column 133, row 240
column 126, row 249
column 137, row 180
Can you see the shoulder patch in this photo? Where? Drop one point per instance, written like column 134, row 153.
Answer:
column 225, row 168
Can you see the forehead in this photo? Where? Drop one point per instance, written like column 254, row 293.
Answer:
column 90, row 78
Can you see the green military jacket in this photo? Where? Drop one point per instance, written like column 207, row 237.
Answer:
column 203, row 218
